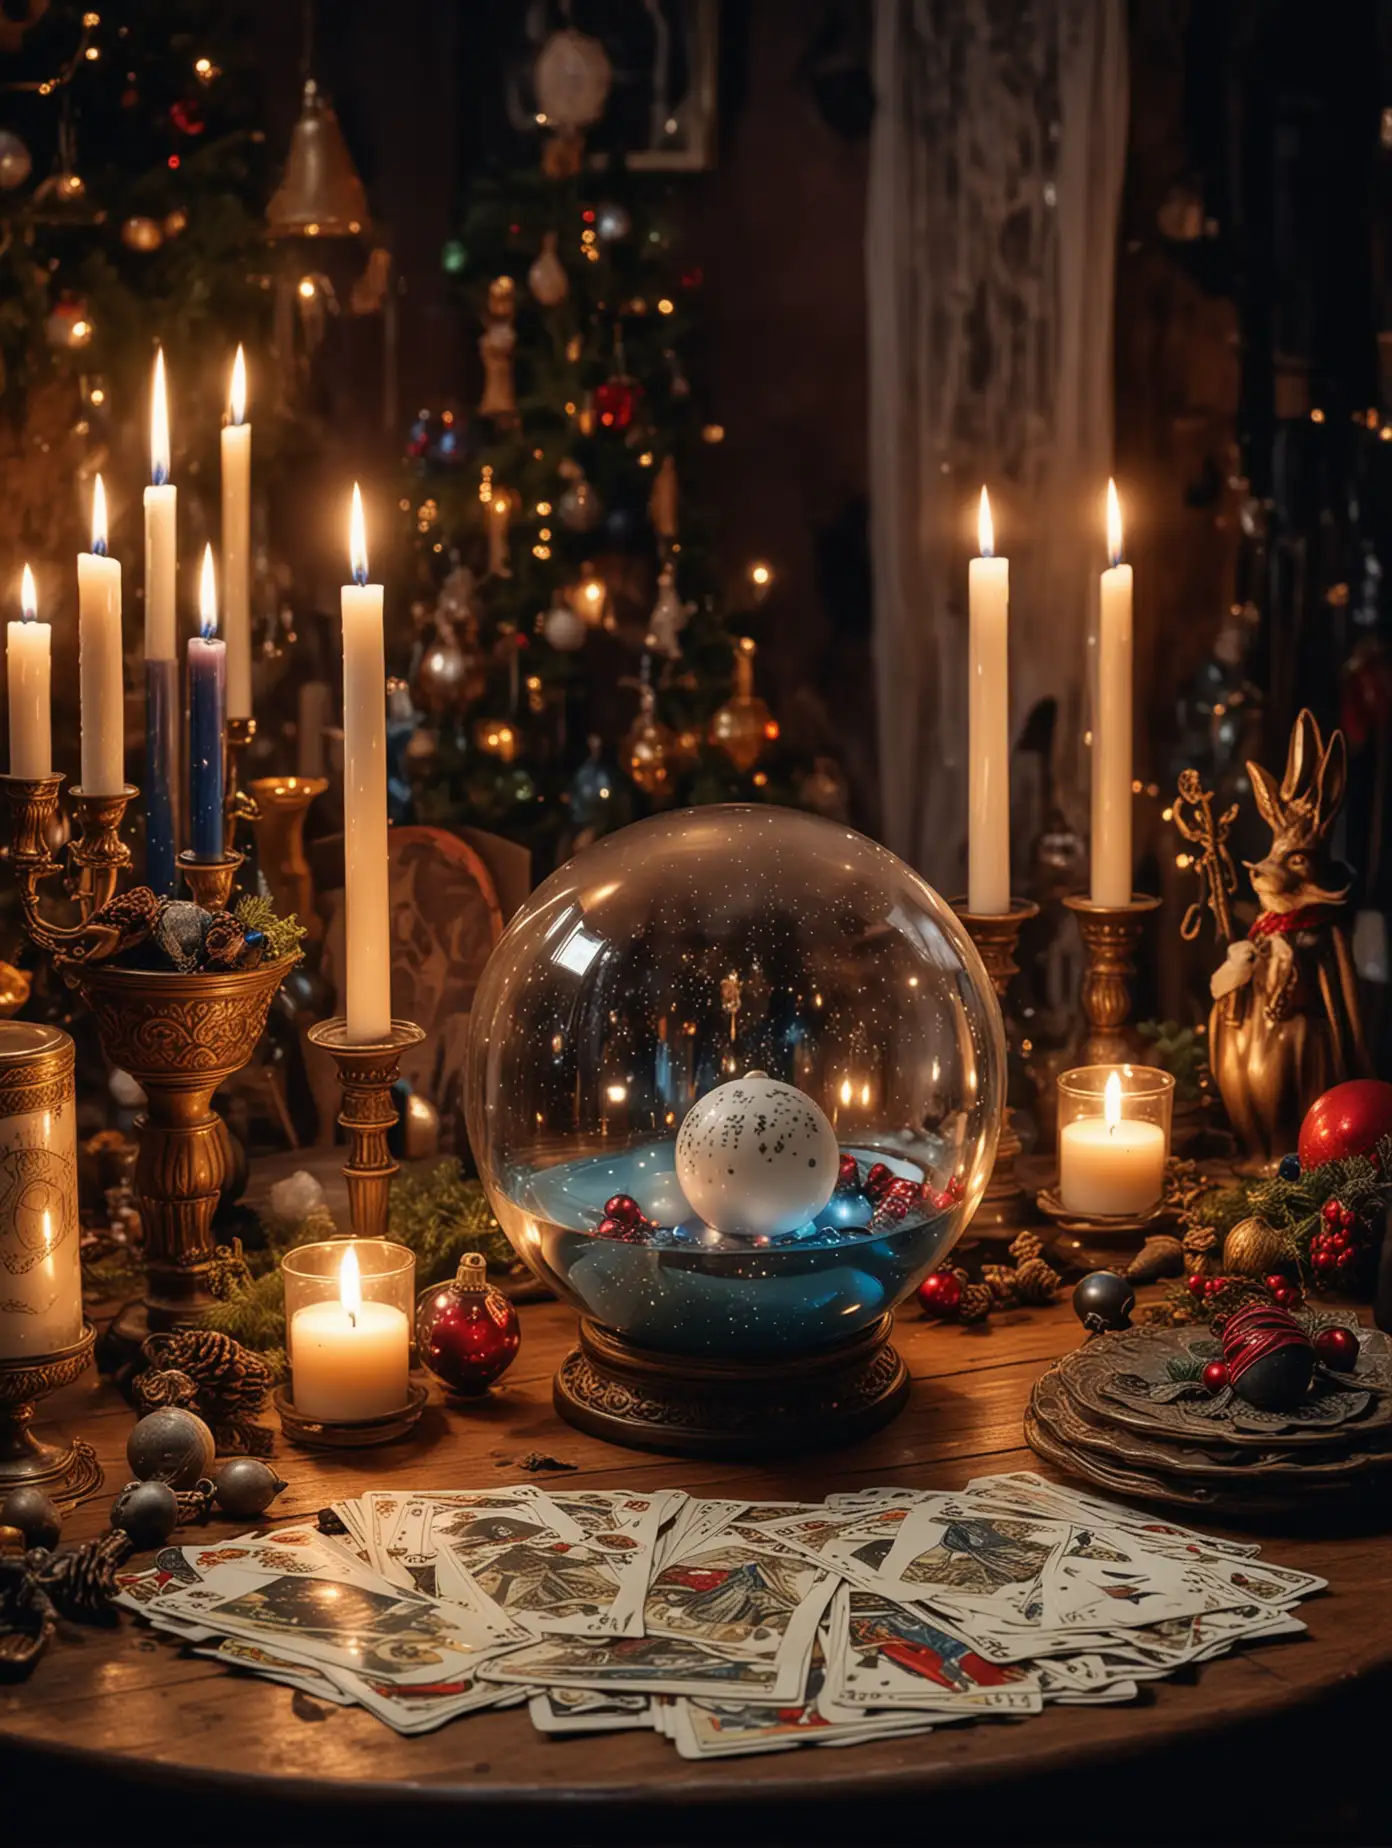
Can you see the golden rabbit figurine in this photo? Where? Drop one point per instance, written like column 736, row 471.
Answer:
column 1285, row 1020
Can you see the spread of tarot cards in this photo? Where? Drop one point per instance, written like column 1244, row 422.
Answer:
column 728, row 1626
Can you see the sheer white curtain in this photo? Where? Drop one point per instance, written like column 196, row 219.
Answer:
column 995, row 178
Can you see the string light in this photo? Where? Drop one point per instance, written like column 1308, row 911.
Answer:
column 666, row 306
column 309, row 288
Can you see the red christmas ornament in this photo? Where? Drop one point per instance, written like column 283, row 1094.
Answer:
column 466, row 1331
column 1215, row 1376
column 877, row 1180
column 1348, row 1120
column 1269, row 1356
column 940, row 1294
column 187, row 118
column 623, row 1207
column 848, row 1173
column 1337, row 1347
column 615, row 402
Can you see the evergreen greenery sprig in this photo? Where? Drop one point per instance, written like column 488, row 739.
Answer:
column 282, row 935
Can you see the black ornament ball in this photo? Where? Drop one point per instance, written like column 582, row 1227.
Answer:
column 171, row 1445
column 1289, row 1168
column 147, row 1511
column 1103, row 1301
column 246, row 1487
column 1279, row 1380
column 36, row 1517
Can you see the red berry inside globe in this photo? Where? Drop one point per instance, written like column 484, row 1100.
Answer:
column 939, row 1294
column 1337, row 1347
column 1350, row 1119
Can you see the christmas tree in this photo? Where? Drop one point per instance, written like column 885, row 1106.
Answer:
column 576, row 659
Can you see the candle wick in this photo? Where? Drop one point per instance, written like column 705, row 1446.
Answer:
column 352, row 1318
column 159, row 474
column 360, row 576
column 99, row 548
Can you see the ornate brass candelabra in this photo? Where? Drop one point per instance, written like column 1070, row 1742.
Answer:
column 211, row 881
column 282, row 802
column 238, row 804
column 178, row 1035
column 367, row 1074
column 1111, row 934
column 64, row 1471
column 1005, row 1205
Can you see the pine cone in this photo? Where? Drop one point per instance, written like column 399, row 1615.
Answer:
column 229, row 1271
column 1160, row 1256
column 1000, row 1280
column 82, row 1583
column 975, row 1305
column 1200, row 1245
column 235, row 1378
column 163, row 1386
column 224, row 942
column 1036, row 1281
column 1027, row 1245
column 122, row 923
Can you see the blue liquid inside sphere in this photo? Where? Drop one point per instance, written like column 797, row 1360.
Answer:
column 689, row 1289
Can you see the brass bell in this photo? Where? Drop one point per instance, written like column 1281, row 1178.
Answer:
column 320, row 194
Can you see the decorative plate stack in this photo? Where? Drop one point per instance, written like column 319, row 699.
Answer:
column 1130, row 1412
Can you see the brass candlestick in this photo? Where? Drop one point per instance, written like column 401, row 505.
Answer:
column 367, row 1074
column 64, row 1471
column 1111, row 934
column 238, row 804
column 282, row 802
column 211, row 881
column 96, row 857
column 1005, row 1205
column 180, row 1037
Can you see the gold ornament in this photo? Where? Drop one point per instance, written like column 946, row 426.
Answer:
column 743, row 727
column 320, row 194
column 651, row 751
column 496, row 738
column 495, row 346
column 142, row 234
column 546, row 278
column 1253, row 1249
column 175, row 222
column 589, row 597
column 662, row 502
column 498, row 512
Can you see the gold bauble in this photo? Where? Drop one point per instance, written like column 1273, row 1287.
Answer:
column 175, row 221
column 1253, row 1249
column 743, row 727
column 652, row 756
column 142, row 234
column 496, row 738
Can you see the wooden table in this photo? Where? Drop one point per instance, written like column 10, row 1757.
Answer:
column 113, row 1720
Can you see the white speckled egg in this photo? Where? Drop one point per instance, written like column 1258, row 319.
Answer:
column 757, row 1157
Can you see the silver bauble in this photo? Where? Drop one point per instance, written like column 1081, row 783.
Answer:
column 612, row 221
column 579, row 507
column 564, row 629
column 16, row 162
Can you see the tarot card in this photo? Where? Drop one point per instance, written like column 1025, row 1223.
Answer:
column 649, row 1665
column 1097, row 1583
column 884, row 1655
column 743, row 1599
column 573, row 1710
column 272, row 1667
column 729, row 1729
column 555, row 1588
column 855, row 1543
column 946, row 1553
column 1032, row 1494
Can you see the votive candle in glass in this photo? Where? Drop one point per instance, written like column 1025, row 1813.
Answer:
column 1114, row 1138
column 349, row 1305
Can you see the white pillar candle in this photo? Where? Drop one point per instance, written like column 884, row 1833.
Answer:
column 28, row 658
column 1111, row 727
column 350, row 1359
column 99, row 661
column 1109, row 1165
column 988, row 727
column 41, row 1292
column 161, row 530
column 367, row 881
column 236, row 544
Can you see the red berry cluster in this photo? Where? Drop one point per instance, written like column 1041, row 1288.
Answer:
column 892, row 1196
column 624, row 1219
column 1340, row 1250
column 1284, row 1293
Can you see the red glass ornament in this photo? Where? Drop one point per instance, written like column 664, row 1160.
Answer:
column 1348, row 1120
column 187, row 118
column 615, row 402
column 466, row 1331
column 1337, row 1347
column 939, row 1294
column 623, row 1206
column 877, row 1180
column 1215, row 1376
column 848, row 1172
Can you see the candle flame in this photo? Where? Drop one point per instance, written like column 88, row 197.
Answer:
column 207, row 595
column 985, row 531
column 1113, row 524
column 1111, row 1101
column 99, row 519
column 350, row 1285
column 357, row 538
column 159, row 424
column 236, row 400
column 846, row 1093
column 28, row 596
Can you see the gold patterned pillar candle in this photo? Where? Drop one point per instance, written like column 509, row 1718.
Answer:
column 40, row 1276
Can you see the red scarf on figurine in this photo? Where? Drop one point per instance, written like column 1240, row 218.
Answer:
column 1282, row 923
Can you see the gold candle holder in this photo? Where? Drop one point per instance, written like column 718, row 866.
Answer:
column 1005, row 1205
column 211, row 881
column 96, row 857
column 367, row 1074
column 238, row 804
column 66, row 1472
column 180, row 1037
column 1111, row 935
column 282, row 802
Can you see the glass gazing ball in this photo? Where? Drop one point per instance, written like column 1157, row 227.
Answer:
column 467, row 1333
column 171, row 1445
column 757, row 1157
column 674, row 956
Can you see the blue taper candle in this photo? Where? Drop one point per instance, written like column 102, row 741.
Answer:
column 207, row 700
